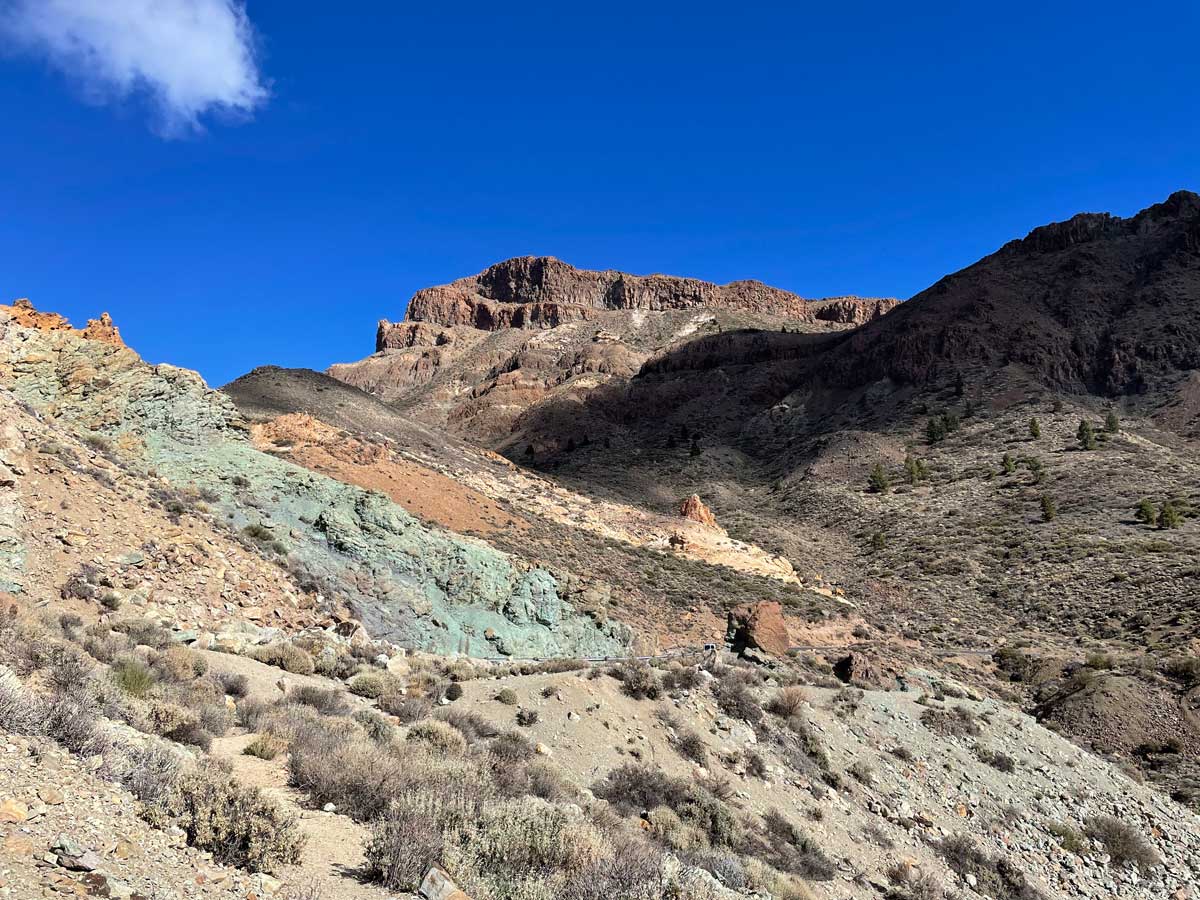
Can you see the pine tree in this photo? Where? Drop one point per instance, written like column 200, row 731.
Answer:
column 1035, row 429
column 913, row 469
column 529, row 451
column 878, row 540
column 671, row 445
column 1168, row 516
column 1049, row 508
column 1111, row 423
column 1036, row 469
column 878, row 479
column 1086, row 435
column 1146, row 513
column 571, row 445
column 1009, row 464
column 694, row 450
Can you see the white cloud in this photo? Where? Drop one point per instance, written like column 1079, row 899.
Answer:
column 189, row 56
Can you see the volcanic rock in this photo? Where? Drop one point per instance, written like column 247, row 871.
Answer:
column 758, row 626
column 693, row 508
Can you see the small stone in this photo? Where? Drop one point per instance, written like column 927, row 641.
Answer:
column 88, row 862
column 51, row 796
column 13, row 810
column 329, row 807
column 16, row 845
column 543, row 750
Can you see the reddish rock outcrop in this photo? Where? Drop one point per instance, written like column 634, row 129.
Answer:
column 103, row 330
column 693, row 508
column 22, row 313
column 758, row 626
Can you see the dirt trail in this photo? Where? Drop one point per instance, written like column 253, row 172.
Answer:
column 333, row 850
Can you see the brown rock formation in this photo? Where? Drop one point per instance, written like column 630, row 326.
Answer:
column 758, row 626
column 852, row 310
column 693, row 508
column 543, row 292
column 102, row 329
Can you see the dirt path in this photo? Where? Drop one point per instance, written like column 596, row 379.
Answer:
column 333, row 850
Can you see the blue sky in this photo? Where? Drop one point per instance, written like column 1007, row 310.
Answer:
column 234, row 209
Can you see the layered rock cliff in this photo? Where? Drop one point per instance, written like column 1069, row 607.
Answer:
column 543, row 292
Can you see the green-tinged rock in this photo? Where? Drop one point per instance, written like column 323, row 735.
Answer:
column 422, row 588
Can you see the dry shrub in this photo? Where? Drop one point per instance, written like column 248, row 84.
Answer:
column 410, row 837
column 237, row 824
column 21, row 710
column 406, row 709
column 1123, row 843
column 637, row 679
column 326, row 701
column 285, row 656
column 179, row 664
column 953, row 721
column 996, row 877
column 790, row 850
column 523, row 848
column 265, row 746
column 507, row 696
column 472, row 725
column 681, row 678
column 634, row 787
column 371, row 685
column 144, row 632
column 511, row 746
column 355, row 774
column 377, row 727
column 691, row 745
column 735, row 699
column 439, row 735
column 788, row 702
column 234, row 684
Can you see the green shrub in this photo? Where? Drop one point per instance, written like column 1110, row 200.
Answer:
column 507, row 696
column 371, row 685
column 132, row 676
column 878, row 480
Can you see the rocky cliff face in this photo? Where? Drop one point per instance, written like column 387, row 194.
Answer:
column 477, row 354
column 543, row 292
column 416, row 586
column 851, row 310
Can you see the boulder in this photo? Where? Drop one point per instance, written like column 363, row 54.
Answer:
column 437, row 885
column 758, row 626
